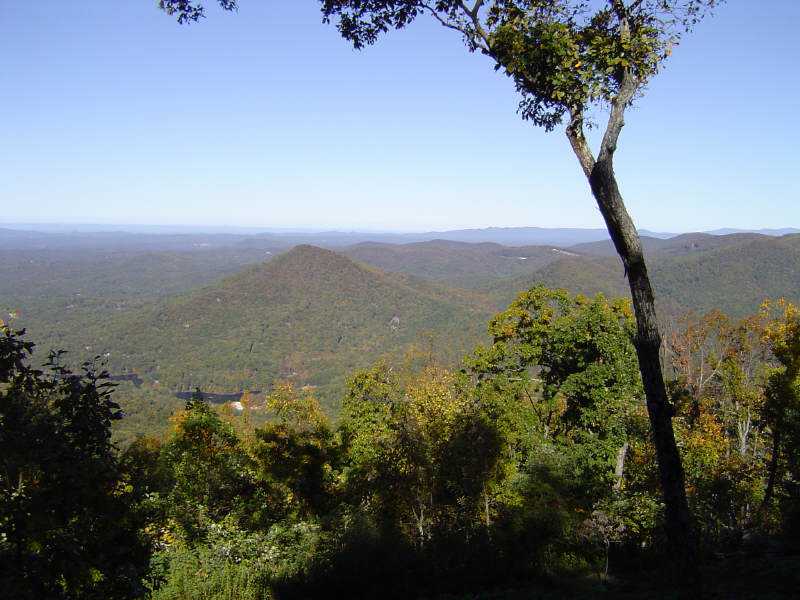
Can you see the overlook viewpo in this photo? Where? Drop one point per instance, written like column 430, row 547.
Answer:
column 399, row 299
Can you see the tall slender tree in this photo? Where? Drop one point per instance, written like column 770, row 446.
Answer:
column 569, row 60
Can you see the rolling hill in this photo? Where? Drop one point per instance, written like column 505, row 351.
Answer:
column 457, row 263
column 734, row 278
column 59, row 292
column 735, row 274
column 309, row 315
column 687, row 243
column 242, row 314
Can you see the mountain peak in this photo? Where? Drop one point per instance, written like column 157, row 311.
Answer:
column 308, row 249
column 313, row 260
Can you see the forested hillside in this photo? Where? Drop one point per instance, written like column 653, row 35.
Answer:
column 309, row 315
column 231, row 317
column 528, row 472
column 731, row 273
column 687, row 243
column 697, row 272
column 735, row 278
column 457, row 263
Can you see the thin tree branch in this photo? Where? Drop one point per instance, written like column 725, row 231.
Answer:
column 472, row 13
column 616, row 119
column 478, row 37
column 442, row 22
column 475, row 8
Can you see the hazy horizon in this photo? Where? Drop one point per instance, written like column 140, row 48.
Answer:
column 172, row 228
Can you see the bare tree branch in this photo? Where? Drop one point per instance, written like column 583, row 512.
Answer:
column 435, row 14
column 472, row 13
column 616, row 118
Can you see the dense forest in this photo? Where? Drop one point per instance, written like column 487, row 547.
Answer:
column 527, row 469
column 230, row 314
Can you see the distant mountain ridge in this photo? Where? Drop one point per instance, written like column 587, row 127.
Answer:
column 686, row 243
column 772, row 232
column 176, row 238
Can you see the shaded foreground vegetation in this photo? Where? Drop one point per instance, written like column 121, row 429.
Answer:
column 530, row 466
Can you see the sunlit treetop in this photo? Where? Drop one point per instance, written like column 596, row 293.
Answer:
column 782, row 331
column 563, row 55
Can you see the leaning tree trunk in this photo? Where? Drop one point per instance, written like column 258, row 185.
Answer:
column 678, row 519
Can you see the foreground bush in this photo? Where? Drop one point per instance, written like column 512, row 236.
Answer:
column 68, row 522
column 233, row 563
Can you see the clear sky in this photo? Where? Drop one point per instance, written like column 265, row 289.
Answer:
column 110, row 112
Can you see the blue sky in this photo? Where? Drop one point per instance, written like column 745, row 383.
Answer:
column 110, row 112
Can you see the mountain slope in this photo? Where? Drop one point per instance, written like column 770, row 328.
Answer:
column 687, row 243
column 309, row 315
column 734, row 276
column 458, row 263
column 735, row 279
column 578, row 274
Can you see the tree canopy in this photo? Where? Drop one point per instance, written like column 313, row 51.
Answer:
column 563, row 55
column 69, row 528
column 567, row 57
